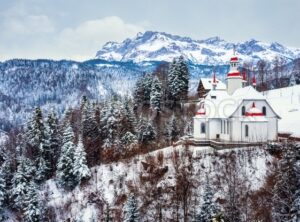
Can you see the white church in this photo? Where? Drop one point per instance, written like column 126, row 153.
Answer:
column 237, row 113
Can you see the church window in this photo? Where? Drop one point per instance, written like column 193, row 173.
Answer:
column 202, row 127
column 246, row 131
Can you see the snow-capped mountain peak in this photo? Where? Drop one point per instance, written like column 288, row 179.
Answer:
column 160, row 46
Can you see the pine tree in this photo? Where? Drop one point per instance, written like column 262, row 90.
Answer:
column 129, row 140
column 81, row 169
column 111, row 125
column 178, row 79
column 172, row 131
column 155, row 95
column 296, row 202
column 285, row 189
column 146, row 132
column 3, row 193
column 32, row 209
column 42, row 169
column 65, row 165
column 51, row 148
column 129, row 122
column 89, row 127
column 130, row 210
column 208, row 209
column 35, row 133
column 20, row 181
column 184, row 72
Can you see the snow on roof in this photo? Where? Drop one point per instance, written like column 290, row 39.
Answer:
column 208, row 84
column 248, row 92
column 219, row 104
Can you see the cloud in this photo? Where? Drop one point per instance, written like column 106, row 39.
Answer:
column 83, row 41
column 35, row 36
column 28, row 24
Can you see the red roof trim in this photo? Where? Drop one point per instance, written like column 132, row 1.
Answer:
column 234, row 59
column 200, row 113
column 234, row 74
column 254, row 114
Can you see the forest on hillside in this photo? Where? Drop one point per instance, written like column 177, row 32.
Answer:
column 67, row 150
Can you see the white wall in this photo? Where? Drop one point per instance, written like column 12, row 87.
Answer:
column 197, row 128
column 258, row 132
column 233, row 83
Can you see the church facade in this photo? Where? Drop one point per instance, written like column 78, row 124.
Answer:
column 239, row 114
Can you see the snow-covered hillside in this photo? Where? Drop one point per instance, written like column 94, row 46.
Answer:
column 110, row 182
column 286, row 102
column 160, row 46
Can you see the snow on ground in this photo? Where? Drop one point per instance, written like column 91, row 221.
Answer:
column 109, row 181
column 286, row 103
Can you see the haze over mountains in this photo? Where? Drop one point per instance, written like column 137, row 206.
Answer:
column 160, row 46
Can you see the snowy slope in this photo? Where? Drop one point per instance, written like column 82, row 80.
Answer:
column 286, row 102
column 160, row 46
column 84, row 202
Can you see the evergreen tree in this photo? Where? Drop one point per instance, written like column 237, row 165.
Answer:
column 142, row 91
column 129, row 122
column 20, row 181
column 35, row 133
column 111, row 125
column 208, row 209
column 42, row 167
column 2, row 193
column 130, row 210
column 155, row 95
column 32, row 209
column 184, row 73
column 129, row 140
column 89, row 127
column 172, row 131
column 146, row 132
column 65, row 165
column 296, row 202
column 81, row 169
column 178, row 79
column 51, row 150
column 285, row 189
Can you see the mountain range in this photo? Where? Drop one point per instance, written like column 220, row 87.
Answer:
column 25, row 84
column 160, row 46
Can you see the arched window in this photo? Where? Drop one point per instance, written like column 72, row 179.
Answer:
column 202, row 127
column 243, row 110
column 264, row 110
column 246, row 131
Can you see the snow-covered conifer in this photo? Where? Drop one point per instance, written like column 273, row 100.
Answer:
column 3, row 193
column 51, row 147
column 32, row 208
column 65, row 165
column 146, row 131
column 130, row 210
column 172, row 130
column 208, row 209
column 81, row 169
column 20, row 181
column 155, row 95
column 286, row 186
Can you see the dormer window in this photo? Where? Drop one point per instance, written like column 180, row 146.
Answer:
column 243, row 110
column 213, row 97
column 264, row 110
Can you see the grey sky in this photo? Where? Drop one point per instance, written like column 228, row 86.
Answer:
column 76, row 29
